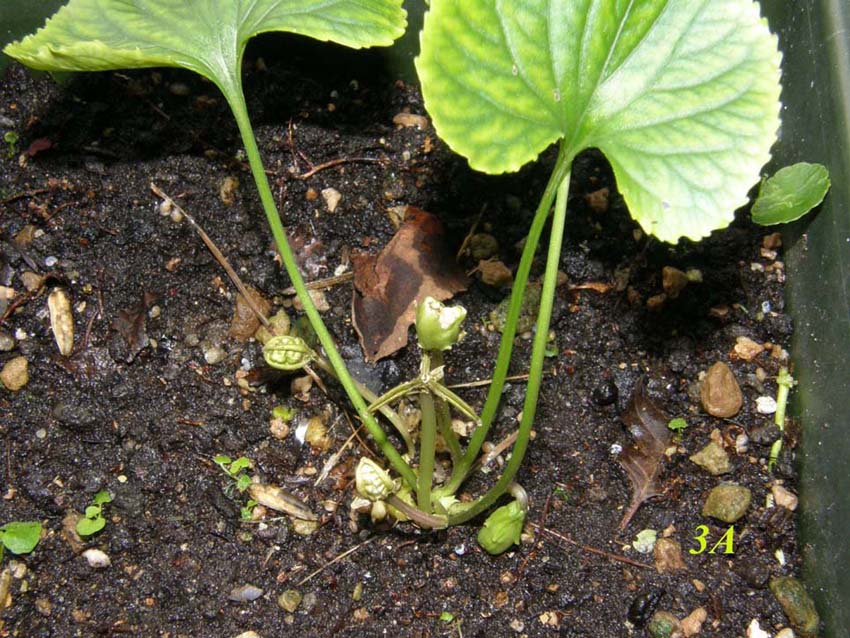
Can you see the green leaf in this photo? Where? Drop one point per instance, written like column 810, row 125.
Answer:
column 677, row 425
column 206, row 36
column 682, row 96
column 447, row 616
column 89, row 526
column 791, row 193
column 20, row 537
column 102, row 497
column 240, row 464
column 243, row 482
column 93, row 511
column 222, row 461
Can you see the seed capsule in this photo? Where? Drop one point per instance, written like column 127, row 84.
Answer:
column 288, row 353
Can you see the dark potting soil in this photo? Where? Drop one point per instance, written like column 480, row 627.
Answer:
column 145, row 422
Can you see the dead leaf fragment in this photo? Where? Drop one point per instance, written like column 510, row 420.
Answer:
column 280, row 500
column 644, row 458
column 61, row 320
column 132, row 327
column 414, row 264
column 410, row 119
column 245, row 321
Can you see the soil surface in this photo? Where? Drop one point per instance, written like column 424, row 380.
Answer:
column 144, row 420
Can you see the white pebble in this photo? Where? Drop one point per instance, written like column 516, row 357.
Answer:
column 766, row 405
column 97, row 559
column 616, row 448
column 51, row 261
column 755, row 630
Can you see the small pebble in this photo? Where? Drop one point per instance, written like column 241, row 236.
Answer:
column 785, row 633
column 741, row 443
column 797, row 604
column 289, row 600
column 245, row 593
column 668, row 556
column 96, row 558
column 214, row 355
column 783, row 497
column 766, row 405
column 673, row 281
column 727, row 502
column 308, row 602
column 754, row 630
column 720, row 393
column 7, row 343
column 15, row 374
column 51, row 261
column 746, row 349
column 249, row 634
column 663, row 624
column 692, row 625
column 606, row 393
column 332, row 198
column 713, row 459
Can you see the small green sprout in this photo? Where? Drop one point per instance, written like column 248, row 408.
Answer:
column 235, row 470
column 246, row 511
column 19, row 537
column 784, row 383
column 502, row 528
column 11, row 139
column 677, row 425
column 561, row 493
column 447, row 616
column 94, row 520
column 283, row 412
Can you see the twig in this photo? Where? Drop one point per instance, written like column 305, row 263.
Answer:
column 594, row 550
column 335, row 560
column 465, row 243
column 321, row 284
column 20, row 301
column 484, row 382
column 340, row 160
column 16, row 197
column 331, row 462
column 216, row 253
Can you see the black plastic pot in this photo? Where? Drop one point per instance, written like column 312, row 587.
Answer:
column 815, row 38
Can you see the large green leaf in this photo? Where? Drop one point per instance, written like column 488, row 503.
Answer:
column 207, row 36
column 682, row 96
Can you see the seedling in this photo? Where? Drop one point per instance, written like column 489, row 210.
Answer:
column 784, row 383
column 677, row 425
column 94, row 521
column 11, row 139
column 19, row 537
column 235, row 470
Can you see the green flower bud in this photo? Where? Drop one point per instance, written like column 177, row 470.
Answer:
column 502, row 528
column 372, row 480
column 437, row 325
column 288, row 353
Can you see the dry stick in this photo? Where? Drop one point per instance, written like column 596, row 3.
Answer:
column 216, row 253
column 594, row 550
column 482, row 382
column 346, row 553
column 321, row 284
column 338, row 161
column 18, row 196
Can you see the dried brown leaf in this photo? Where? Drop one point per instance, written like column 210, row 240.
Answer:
column 644, row 458
column 245, row 322
column 413, row 265
column 131, row 325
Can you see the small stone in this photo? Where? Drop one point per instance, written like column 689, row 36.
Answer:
column 494, row 273
column 32, row 281
column 673, row 281
column 754, row 572
column 606, row 393
column 43, row 606
column 783, row 497
column 797, row 604
column 727, row 502
column 311, row 195
column 754, row 630
column 289, row 600
column 713, row 459
column 550, row 619
column 228, row 189
column 692, row 625
column 410, row 119
column 245, row 593
column 765, row 434
column 180, row 89
column 772, row 241
column 7, row 342
column 656, row 302
column 97, row 559
column 214, row 355
column 303, row 527
column 317, row 434
column 308, row 602
column 746, row 349
column 645, row 541
column 663, row 624
column 279, row 429
column 598, row 200
column 332, row 198
column 249, row 634
column 785, row 633
column 668, row 556
column 766, row 405
column 482, row 246
column 720, row 393
column 15, row 374
column 517, row 625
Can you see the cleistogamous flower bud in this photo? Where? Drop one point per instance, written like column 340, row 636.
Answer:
column 372, row 481
column 287, row 353
column 502, row 528
column 438, row 325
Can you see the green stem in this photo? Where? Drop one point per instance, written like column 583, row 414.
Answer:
column 426, row 521
column 444, row 417
column 538, row 353
column 560, row 173
column 427, row 445
column 233, row 93
column 784, row 382
column 391, row 415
